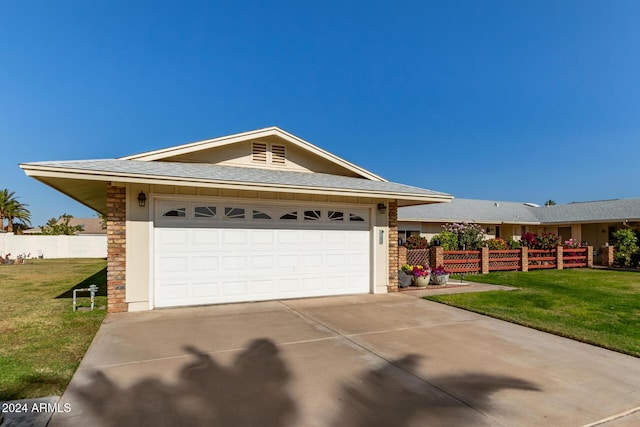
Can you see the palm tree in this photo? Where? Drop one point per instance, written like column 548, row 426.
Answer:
column 18, row 211
column 550, row 202
column 7, row 199
column 11, row 208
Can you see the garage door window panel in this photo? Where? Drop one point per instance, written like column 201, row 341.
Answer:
column 209, row 212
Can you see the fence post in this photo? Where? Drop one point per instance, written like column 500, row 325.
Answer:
column 559, row 258
column 607, row 256
column 436, row 256
column 484, row 260
column 589, row 256
column 524, row 258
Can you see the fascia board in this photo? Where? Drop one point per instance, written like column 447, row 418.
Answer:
column 50, row 172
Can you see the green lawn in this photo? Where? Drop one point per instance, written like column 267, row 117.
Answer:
column 600, row 307
column 42, row 339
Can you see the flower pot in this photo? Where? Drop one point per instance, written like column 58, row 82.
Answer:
column 440, row 280
column 421, row 281
column 404, row 280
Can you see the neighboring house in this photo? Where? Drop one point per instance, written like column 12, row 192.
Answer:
column 90, row 226
column 254, row 216
column 590, row 222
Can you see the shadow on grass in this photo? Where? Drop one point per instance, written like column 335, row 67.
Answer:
column 33, row 385
column 99, row 279
column 254, row 391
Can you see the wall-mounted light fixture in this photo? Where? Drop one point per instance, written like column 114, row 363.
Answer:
column 142, row 199
column 382, row 208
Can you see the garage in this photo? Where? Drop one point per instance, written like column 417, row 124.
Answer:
column 213, row 251
column 253, row 216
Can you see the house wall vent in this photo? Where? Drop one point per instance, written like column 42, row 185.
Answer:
column 278, row 154
column 259, row 152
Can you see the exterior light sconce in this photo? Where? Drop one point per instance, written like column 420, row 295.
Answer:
column 142, row 199
column 382, row 208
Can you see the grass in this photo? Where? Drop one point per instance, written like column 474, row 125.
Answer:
column 42, row 339
column 599, row 307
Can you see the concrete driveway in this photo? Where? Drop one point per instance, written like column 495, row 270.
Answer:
column 369, row 360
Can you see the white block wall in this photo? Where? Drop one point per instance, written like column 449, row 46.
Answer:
column 82, row 246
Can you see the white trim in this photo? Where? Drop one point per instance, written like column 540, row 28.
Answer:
column 248, row 136
column 151, row 251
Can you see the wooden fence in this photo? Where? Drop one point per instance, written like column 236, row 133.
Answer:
column 485, row 260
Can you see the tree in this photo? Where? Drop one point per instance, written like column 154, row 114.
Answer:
column 56, row 227
column 11, row 208
column 18, row 211
column 550, row 202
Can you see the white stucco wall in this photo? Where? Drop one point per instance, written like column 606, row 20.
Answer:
column 81, row 246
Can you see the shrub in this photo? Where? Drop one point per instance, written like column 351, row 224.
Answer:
column 626, row 245
column 547, row 241
column 446, row 239
column 528, row 240
column 514, row 244
column 416, row 242
column 470, row 236
column 497, row 244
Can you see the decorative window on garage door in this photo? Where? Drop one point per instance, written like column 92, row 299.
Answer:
column 225, row 214
column 205, row 211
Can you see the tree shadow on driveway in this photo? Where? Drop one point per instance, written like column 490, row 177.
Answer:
column 393, row 396
column 254, row 391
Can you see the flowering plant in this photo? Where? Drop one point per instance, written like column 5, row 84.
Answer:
column 497, row 244
column 416, row 242
column 529, row 240
column 440, row 271
column 407, row 269
column 572, row 243
column 421, row 271
column 547, row 241
column 470, row 236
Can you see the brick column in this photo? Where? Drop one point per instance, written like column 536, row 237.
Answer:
column 559, row 258
column 524, row 258
column 393, row 246
column 607, row 256
column 589, row 256
column 484, row 260
column 402, row 256
column 116, row 249
column 436, row 256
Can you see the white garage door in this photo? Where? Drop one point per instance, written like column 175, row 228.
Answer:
column 216, row 252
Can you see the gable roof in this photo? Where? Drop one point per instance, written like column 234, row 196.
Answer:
column 248, row 136
column 86, row 180
column 499, row 212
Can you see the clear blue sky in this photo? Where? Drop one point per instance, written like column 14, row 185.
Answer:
column 505, row 100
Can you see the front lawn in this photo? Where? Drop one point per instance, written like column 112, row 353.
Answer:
column 600, row 307
column 42, row 339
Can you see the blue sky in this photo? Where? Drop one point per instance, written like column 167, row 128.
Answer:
column 506, row 100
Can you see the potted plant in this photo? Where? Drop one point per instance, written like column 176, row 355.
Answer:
column 405, row 276
column 440, row 275
column 422, row 275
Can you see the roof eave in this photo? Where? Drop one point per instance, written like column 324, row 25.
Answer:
column 404, row 199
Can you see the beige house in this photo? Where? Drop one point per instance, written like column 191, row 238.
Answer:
column 589, row 222
column 254, row 216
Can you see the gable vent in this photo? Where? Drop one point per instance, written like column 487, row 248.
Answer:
column 259, row 152
column 278, row 154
